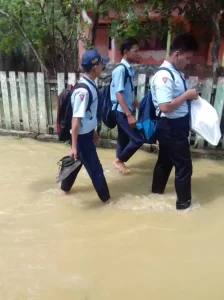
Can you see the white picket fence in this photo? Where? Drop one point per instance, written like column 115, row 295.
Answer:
column 25, row 101
column 28, row 102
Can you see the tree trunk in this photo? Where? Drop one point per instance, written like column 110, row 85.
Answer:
column 216, row 43
column 93, row 28
column 95, row 21
column 76, row 57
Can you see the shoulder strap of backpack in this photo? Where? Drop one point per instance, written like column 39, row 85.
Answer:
column 168, row 70
column 126, row 75
column 85, row 86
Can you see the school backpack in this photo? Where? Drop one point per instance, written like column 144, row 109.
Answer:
column 107, row 114
column 147, row 119
column 64, row 113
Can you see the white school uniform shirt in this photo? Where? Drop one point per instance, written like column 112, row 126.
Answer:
column 118, row 85
column 164, row 89
column 79, row 102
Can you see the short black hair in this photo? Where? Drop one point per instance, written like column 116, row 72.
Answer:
column 184, row 42
column 127, row 44
column 86, row 68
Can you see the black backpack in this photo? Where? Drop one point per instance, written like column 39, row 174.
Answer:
column 64, row 113
column 107, row 114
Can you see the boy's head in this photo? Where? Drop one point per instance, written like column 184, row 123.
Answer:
column 129, row 49
column 182, row 49
column 92, row 62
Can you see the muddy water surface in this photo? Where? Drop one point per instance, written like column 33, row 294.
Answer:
column 76, row 248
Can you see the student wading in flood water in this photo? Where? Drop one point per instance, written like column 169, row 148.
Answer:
column 123, row 99
column 84, row 123
column 172, row 100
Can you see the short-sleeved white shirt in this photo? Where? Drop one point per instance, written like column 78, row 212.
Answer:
column 164, row 89
column 79, row 101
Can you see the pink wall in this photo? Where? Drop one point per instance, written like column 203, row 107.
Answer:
column 149, row 57
column 101, row 44
column 203, row 57
column 155, row 57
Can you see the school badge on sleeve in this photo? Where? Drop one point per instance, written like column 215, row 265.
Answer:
column 164, row 79
column 81, row 96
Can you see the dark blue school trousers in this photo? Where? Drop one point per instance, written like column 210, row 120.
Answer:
column 174, row 150
column 129, row 139
column 86, row 151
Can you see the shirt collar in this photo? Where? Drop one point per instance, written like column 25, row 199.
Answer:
column 168, row 65
column 123, row 61
column 88, row 79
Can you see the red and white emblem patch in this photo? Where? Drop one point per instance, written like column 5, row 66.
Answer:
column 164, row 79
column 82, row 96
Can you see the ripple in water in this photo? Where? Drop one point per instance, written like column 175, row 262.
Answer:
column 151, row 203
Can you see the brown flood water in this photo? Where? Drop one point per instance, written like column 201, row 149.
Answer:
column 76, row 248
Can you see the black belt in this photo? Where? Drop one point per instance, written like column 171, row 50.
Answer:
column 165, row 118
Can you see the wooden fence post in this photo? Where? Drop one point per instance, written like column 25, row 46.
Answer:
column 5, row 99
column 140, row 88
column 24, row 102
column 14, row 101
column 219, row 100
column 33, row 102
column 192, row 82
column 41, row 103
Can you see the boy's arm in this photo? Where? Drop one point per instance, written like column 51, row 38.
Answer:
column 118, row 81
column 80, row 99
column 75, row 132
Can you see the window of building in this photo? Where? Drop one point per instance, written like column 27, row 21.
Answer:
column 157, row 39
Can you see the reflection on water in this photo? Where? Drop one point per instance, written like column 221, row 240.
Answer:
column 75, row 247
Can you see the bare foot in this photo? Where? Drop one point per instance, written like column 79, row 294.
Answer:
column 120, row 166
column 63, row 193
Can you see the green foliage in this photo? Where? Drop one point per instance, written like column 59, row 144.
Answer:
column 129, row 26
column 52, row 26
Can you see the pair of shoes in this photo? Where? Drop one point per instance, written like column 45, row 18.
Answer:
column 67, row 165
column 183, row 205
